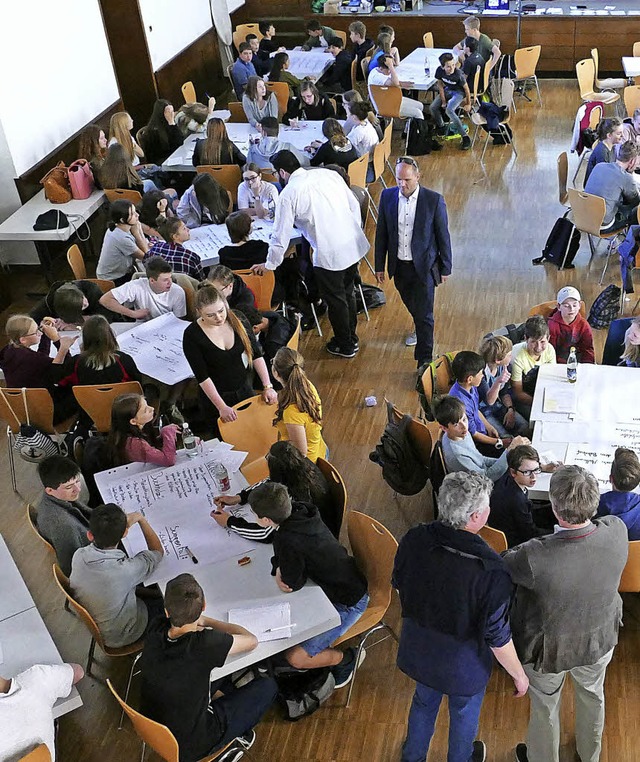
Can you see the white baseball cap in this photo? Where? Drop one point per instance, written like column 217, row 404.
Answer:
column 568, row 292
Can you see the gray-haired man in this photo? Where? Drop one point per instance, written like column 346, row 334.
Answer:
column 567, row 613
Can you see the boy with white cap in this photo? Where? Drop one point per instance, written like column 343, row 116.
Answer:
column 567, row 328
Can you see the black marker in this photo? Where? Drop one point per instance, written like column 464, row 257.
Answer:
column 191, row 556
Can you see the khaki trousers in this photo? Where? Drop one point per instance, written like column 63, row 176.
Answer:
column 545, row 690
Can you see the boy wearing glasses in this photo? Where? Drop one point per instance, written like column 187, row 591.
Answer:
column 512, row 512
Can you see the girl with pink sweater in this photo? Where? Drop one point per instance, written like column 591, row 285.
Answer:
column 133, row 440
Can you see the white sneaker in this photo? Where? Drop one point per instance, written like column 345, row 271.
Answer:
column 411, row 340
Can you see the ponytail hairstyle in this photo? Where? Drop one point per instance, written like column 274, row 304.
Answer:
column 296, row 388
column 119, row 212
column 209, row 295
column 279, row 60
column 124, row 408
column 607, row 126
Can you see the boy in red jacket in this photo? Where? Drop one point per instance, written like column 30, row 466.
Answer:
column 567, row 328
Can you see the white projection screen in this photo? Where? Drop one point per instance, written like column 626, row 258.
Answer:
column 57, row 74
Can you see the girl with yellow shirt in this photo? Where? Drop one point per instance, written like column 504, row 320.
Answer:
column 299, row 414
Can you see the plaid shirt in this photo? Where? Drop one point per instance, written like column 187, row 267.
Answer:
column 182, row 260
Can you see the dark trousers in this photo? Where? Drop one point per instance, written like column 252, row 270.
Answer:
column 336, row 287
column 418, row 298
column 241, row 709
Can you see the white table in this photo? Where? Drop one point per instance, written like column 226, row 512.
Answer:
column 14, row 596
column 631, row 66
column 239, row 133
column 309, row 63
column 411, row 68
column 19, row 226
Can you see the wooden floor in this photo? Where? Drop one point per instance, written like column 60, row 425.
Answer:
column 498, row 222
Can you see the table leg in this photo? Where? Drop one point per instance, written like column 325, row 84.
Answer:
column 44, row 255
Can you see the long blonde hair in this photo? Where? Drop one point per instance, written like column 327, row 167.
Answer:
column 296, row 388
column 631, row 353
column 216, row 142
column 208, row 295
column 119, row 130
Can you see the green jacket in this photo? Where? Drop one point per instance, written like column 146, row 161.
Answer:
column 314, row 42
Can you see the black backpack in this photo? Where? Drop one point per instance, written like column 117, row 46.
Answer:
column 564, row 239
column 421, row 139
column 515, row 333
column 606, row 307
column 402, row 470
column 302, row 693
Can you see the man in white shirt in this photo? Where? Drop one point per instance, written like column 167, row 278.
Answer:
column 26, row 701
column 149, row 297
column 319, row 203
column 385, row 74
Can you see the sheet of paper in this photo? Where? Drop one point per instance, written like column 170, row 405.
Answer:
column 595, row 458
column 156, row 347
column 567, row 431
column 260, row 619
column 559, row 398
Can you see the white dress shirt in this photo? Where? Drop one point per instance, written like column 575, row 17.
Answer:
column 319, row 203
column 406, row 219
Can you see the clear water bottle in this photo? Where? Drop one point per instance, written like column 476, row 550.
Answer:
column 189, row 441
column 427, row 67
column 572, row 366
column 221, row 475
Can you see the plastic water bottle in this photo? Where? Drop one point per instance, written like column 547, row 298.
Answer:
column 189, row 441
column 221, row 475
column 572, row 366
column 427, row 67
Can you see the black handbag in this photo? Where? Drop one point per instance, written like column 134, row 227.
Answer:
column 53, row 219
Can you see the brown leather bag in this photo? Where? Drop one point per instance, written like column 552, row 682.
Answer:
column 56, row 184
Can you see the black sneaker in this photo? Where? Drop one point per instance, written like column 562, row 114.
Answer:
column 247, row 740
column 442, row 131
column 479, row 752
column 465, row 145
column 232, row 754
column 343, row 672
column 521, row 753
column 334, row 349
column 537, row 261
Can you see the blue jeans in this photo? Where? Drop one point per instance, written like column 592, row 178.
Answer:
column 464, row 713
column 453, row 101
column 495, row 415
column 349, row 615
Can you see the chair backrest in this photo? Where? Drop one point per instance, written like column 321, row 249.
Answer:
column 228, row 175
column 596, row 61
column 595, row 116
column 378, row 161
column 374, row 548
column 190, row 299
column 546, row 308
column 281, row 89
column 189, row 92
column 237, row 113
column 364, row 65
column 62, row 581
column 494, row 538
column 38, row 402
column 338, row 492
column 636, row 50
column 261, row 285
column 294, row 341
column 427, row 40
column 586, row 74
column 387, row 100
column 357, row 171
column 630, row 580
column 269, row 176
column 631, row 96
column 486, row 77
column 76, row 262
column 563, row 176
column 129, row 195
column 444, row 379
column 97, row 400
column 525, row 60
column 419, row 436
column 255, row 471
column 39, row 754
column 253, row 430
column 103, row 285
column 32, row 519
column 241, row 32
column 386, row 140
column 342, row 35
column 155, row 735
column 588, row 211
column 354, row 74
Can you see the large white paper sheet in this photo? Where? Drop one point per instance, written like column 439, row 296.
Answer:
column 597, row 459
column 265, row 622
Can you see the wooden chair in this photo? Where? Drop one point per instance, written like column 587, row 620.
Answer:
column 588, row 215
column 419, row 436
column 444, row 380
column 562, row 164
column 374, row 548
column 357, row 172
column 189, row 92
column 255, row 471
column 387, row 102
column 494, row 538
column 39, row 754
column 114, row 194
column 364, row 65
column 281, row 89
column 269, row 176
column 427, row 40
column 630, row 579
column 379, row 166
column 546, row 308
column 228, row 175
column 241, row 32
column 157, row 736
column 97, row 400
column 478, row 120
column 525, row 60
column 354, row 74
column 631, row 96
column 76, row 262
column 32, row 520
column 238, row 115
column 104, row 285
column 338, row 492
column 253, row 431
column 586, row 74
column 342, row 35
column 334, row 103
column 609, row 83
column 261, row 285
column 40, row 414
column 595, row 116
column 294, row 341
column 386, row 142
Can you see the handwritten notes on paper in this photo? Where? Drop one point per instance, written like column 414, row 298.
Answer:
column 207, row 240
column 156, row 347
column 265, row 622
column 597, row 459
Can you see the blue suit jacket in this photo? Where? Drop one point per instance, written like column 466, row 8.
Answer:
column 430, row 243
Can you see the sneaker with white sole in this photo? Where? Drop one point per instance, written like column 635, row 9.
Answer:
column 411, row 340
column 479, row 753
column 247, row 740
column 334, row 349
column 232, row 754
column 343, row 672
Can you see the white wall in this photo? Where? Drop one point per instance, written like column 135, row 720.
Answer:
column 172, row 26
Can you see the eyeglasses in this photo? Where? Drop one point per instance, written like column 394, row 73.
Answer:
column 407, row 160
column 250, row 179
column 529, row 471
column 34, row 333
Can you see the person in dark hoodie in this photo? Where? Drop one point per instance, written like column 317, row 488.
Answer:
column 232, row 287
column 621, row 501
column 304, row 549
column 70, row 303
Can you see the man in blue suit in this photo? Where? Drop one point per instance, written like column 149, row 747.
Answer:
column 412, row 239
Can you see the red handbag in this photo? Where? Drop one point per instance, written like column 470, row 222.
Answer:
column 81, row 179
